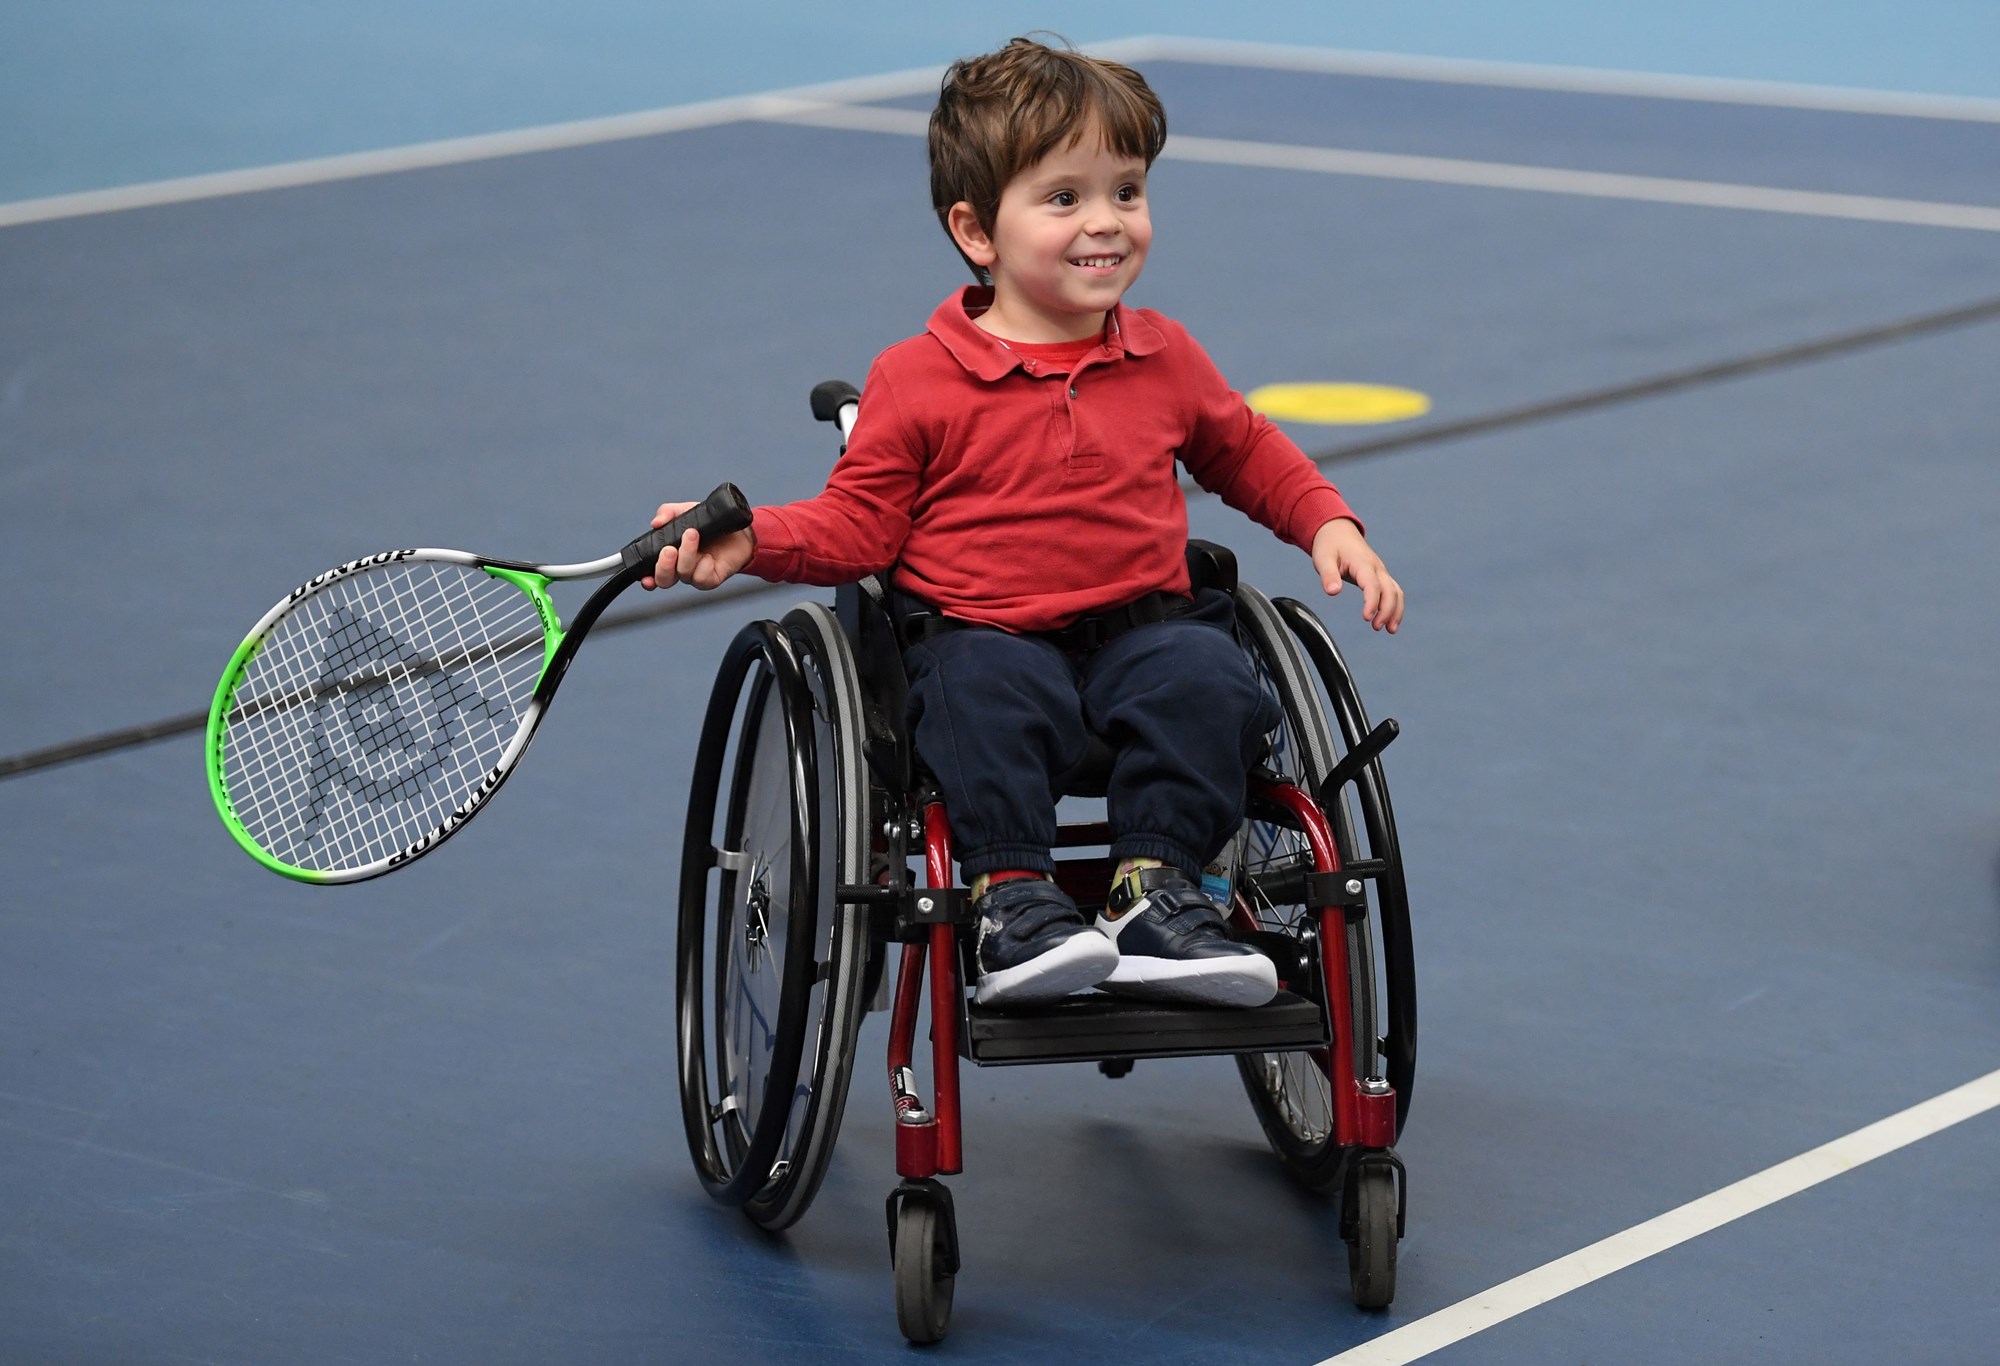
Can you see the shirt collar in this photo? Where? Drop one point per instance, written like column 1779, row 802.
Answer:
column 985, row 355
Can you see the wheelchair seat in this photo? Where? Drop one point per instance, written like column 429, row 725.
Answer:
column 863, row 608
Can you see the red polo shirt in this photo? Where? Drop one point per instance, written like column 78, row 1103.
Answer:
column 1024, row 493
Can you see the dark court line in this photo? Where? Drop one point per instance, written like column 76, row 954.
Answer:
column 1987, row 310
column 131, row 737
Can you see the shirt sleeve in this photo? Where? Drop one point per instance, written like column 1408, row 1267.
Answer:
column 1242, row 457
column 856, row 526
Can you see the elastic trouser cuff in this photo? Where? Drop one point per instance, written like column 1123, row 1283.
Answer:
column 997, row 858
column 1170, row 852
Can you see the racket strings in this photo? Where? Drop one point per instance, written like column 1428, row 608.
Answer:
column 376, row 708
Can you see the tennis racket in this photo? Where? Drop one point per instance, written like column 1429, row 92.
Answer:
column 378, row 707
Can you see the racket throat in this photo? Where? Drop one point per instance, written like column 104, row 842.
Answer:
column 537, row 589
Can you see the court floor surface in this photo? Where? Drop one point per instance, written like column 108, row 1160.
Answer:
column 1696, row 784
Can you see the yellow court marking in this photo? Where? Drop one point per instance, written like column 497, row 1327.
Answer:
column 1339, row 404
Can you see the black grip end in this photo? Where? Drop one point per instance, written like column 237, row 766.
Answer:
column 722, row 512
column 830, row 396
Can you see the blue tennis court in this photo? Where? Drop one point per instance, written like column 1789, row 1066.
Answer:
column 1697, row 780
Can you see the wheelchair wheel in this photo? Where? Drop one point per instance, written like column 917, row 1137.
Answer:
column 1368, row 1224
column 1290, row 1092
column 1395, row 986
column 924, row 1253
column 770, row 965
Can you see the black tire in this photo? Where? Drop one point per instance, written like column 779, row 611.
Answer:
column 1290, row 1092
column 1370, row 1222
column 836, row 1005
column 1395, row 980
column 924, row 1279
column 769, row 969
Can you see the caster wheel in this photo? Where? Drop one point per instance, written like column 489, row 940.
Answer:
column 1371, row 1237
column 925, row 1256
column 1115, row 1067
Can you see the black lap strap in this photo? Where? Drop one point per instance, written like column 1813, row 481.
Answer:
column 1094, row 632
column 919, row 621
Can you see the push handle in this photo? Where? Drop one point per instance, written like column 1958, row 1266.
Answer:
column 722, row 512
column 830, row 396
column 1363, row 754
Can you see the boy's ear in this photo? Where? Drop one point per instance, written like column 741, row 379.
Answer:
column 963, row 223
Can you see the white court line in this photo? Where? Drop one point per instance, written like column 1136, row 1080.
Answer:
column 1510, row 1298
column 1498, row 175
column 676, row 118
column 1502, row 175
column 1566, row 79
column 456, row 151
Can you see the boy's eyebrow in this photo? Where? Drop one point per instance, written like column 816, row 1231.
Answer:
column 1135, row 169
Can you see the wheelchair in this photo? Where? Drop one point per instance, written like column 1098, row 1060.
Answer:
column 806, row 810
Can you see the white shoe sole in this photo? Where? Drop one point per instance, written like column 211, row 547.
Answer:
column 1246, row 980
column 1078, row 962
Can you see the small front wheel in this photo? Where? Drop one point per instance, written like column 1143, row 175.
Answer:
column 1370, row 1228
column 925, row 1255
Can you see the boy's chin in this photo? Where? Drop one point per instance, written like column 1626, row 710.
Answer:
column 1091, row 303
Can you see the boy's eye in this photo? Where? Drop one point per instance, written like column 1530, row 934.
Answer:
column 1063, row 199
column 1127, row 193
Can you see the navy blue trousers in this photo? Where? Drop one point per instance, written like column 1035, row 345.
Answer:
column 1000, row 718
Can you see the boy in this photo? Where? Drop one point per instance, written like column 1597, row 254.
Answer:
column 1015, row 466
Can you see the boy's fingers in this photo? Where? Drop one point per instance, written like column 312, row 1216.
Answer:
column 708, row 569
column 700, row 563
column 1381, row 595
column 1368, row 579
column 1392, row 607
column 669, row 511
column 664, row 568
column 1388, row 613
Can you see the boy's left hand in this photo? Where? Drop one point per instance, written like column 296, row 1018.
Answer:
column 1341, row 554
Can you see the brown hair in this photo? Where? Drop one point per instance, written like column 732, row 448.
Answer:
column 1001, row 113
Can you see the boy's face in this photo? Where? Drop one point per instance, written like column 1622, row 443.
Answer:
column 1069, row 239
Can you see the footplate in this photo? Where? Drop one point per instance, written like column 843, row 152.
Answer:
column 1093, row 1026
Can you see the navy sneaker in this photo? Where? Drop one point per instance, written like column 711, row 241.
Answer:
column 1034, row 946
column 1173, row 945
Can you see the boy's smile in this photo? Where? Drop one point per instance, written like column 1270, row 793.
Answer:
column 1068, row 240
column 1105, row 264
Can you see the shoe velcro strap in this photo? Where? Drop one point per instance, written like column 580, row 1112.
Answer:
column 1173, row 891
column 1182, row 903
column 1026, row 906
column 1146, row 881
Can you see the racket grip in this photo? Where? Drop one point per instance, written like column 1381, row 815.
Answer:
column 722, row 512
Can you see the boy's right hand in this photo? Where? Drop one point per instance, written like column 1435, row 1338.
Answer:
column 704, row 566
column 1342, row 554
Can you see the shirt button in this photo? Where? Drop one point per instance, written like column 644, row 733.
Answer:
column 1072, row 391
